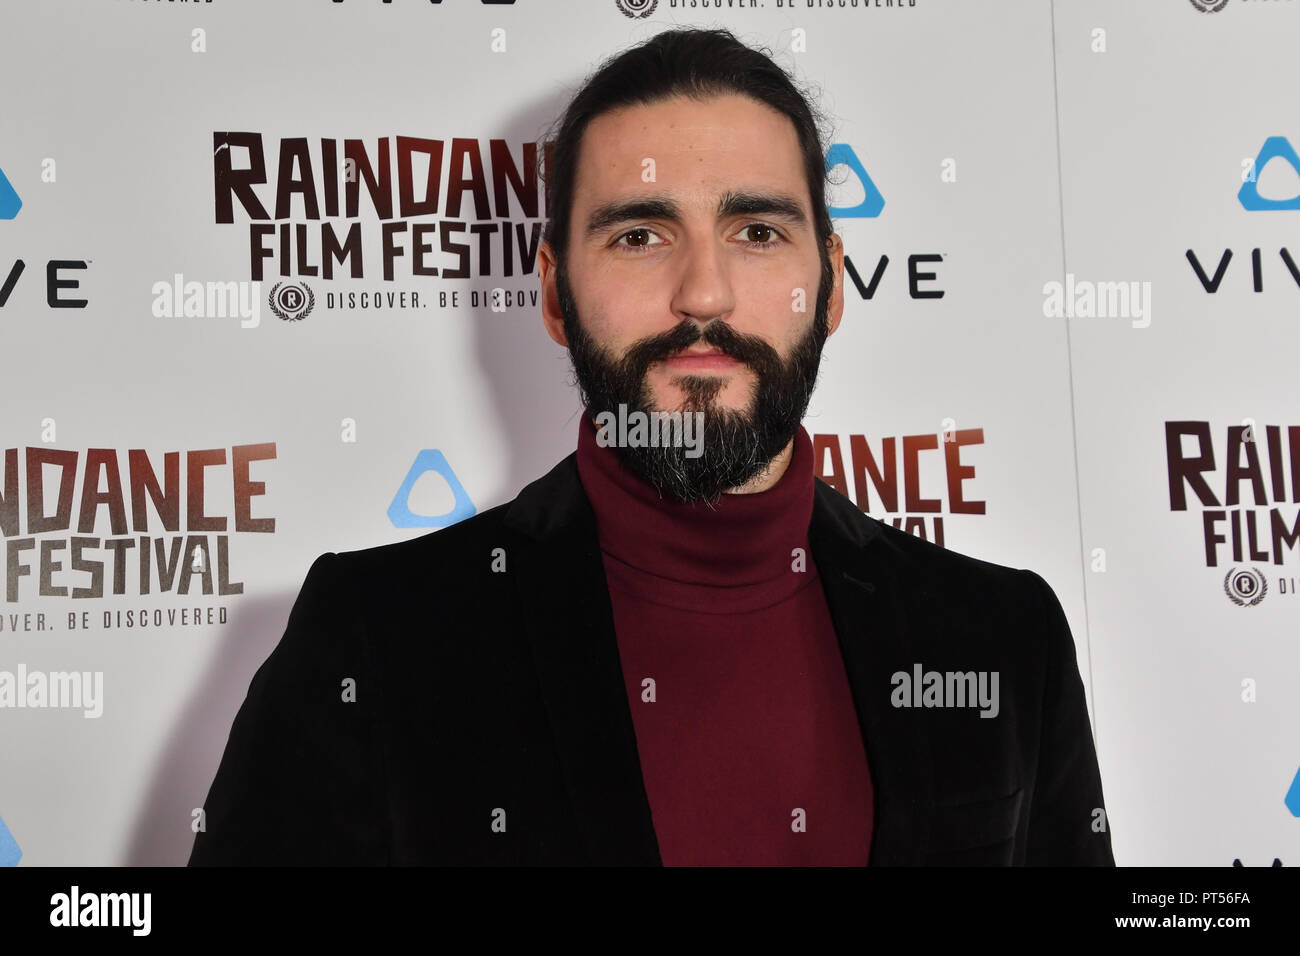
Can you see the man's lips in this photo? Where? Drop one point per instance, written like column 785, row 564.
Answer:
column 713, row 360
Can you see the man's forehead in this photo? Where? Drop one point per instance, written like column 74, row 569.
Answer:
column 694, row 137
column 698, row 150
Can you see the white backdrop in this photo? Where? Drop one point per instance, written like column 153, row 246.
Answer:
column 1014, row 144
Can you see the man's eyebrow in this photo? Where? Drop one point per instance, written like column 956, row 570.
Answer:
column 772, row 205
column 622, row 210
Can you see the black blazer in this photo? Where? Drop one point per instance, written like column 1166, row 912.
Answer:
column 488, row 695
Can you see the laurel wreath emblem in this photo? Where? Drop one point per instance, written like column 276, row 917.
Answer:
column 298, row 315
column 638, row 9
column 1234, row 593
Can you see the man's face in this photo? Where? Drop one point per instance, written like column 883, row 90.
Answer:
column 694, row 282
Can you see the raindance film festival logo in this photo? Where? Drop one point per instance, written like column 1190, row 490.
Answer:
column 894, row 476
column 291, row 301
column 1209, row 6
column 1244, row 491
column 150, row 531
column 1245, row 587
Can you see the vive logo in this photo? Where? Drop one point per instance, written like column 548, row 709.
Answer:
column 9, row 852
column 400, row 513
column 9, row 201
column 872, row 201
column 1275, row 147
column 1292, row 799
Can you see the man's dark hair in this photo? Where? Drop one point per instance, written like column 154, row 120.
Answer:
column 694, row 63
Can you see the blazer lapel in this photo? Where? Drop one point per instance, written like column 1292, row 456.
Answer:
column 558, row 567
column 861, row 577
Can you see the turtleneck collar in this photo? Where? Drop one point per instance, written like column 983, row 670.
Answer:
column 737, row 555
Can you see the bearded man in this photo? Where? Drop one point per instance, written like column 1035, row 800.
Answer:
column 677, row 647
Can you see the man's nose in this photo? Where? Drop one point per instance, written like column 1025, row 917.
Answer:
column 704, row 291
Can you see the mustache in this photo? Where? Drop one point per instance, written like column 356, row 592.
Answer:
column 750, row 349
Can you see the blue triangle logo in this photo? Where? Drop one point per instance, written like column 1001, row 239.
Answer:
column 9, row 201
column 872, row 200
column 9, row 852
column 1292, row 799
column 1275, row 147
column 400, row 513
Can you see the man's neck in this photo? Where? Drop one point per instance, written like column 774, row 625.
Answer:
column 770, row 475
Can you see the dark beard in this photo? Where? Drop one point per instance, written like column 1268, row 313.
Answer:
column 737, row 445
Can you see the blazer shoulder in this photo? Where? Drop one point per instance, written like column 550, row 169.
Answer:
column 864, row 532
column 433, row 548
column 552, row 502
column 917, row 566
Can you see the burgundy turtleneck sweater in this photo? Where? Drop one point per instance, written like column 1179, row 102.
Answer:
column 748, row 738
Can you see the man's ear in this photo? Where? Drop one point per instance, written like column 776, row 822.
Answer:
column 552, row 317
column 835, row 306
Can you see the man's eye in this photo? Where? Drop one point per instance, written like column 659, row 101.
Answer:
column 770, row 237
column 761, row 236
column 642, row 242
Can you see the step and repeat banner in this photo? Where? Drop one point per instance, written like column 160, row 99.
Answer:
column 269, row 288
